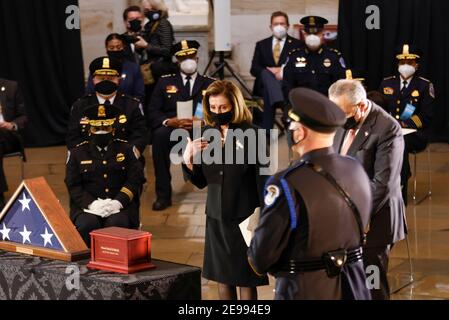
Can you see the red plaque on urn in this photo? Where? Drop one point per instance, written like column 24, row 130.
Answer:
column 120, row 250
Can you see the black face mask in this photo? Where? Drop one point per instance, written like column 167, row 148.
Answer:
column 135, row 25
column 222, row 119
column 153, row 15
column 351, row 123
column 106, row 87
column 102, row 140
column 119, row 55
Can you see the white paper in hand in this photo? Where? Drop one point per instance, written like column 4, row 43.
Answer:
column 184, row 109
column 248, row 226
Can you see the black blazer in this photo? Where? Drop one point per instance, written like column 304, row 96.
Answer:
column 379, row 146
column 168, row 91
column 263, row 58
column 12, row 102
column 234, row 190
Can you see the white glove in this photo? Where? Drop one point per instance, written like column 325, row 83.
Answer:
column 112, row 207
column 98, row 207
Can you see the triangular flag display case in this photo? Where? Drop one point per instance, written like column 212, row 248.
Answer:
column 33, row 222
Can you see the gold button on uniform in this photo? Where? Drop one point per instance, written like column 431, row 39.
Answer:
column 107, row 190
column 397, row 117
column 105, row 176
column 105, row 162
column 397, row 110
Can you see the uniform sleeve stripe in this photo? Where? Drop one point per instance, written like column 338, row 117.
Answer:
column 417, row 121
column 291, row 205
column 128, row 193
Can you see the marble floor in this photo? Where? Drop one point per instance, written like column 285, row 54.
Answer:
column 178, row 232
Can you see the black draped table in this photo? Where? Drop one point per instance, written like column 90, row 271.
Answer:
column 25, row 277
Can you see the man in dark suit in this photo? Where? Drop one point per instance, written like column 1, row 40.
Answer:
column 410, row 99
column 312, row 227
column 269, row 58
column 187, row 85
column 373, row 137
column 12, row 120
column 314, row 66
column 131, row 125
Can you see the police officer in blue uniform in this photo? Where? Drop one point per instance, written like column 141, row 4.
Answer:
column 312, row 229
column 410, row 99
column 104, row 176
column 314, row 66
column 186, row 85
column 131, row 124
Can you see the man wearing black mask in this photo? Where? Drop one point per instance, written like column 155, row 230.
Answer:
column 103, row 176
column 373, row 137
column 131, row 82
column 106, row 76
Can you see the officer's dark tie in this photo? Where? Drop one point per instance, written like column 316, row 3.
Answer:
column 187, row 87
column 404, row 87
column 107, row 103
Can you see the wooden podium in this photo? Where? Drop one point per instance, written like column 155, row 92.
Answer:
column 33, row 222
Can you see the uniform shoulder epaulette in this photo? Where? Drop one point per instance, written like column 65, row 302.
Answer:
column 121, row 140
column 168, row 75
column 294, row 50
column 427, row 80
column 82, row 144
column 389, row 78
column 335, row 50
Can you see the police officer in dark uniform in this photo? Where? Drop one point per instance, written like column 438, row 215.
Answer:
column 187, row 85
column 410, row 100
column 131, row 124
column 313, row 226
column 314, row 66
column 103, row 176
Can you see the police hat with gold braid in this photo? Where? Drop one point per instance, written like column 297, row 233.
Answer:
column 185, row 48
column 315, row 111
column 106, row 66
column 313, row 24
column 407, row 51
column 100, row 115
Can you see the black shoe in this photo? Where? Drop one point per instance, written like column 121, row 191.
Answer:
column 160, row 205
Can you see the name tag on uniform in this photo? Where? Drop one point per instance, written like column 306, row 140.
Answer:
column 86, row 162
column 408, row 112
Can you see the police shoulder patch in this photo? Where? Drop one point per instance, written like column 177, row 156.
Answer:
column 272, row 193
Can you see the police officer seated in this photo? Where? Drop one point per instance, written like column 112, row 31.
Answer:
column 131, row 125
column 410, row 99
column 316, row 213
column 315, row 66
column 103, row 176
column 187, row 85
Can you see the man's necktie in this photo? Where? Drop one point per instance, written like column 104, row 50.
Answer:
column 350, row 136
column 404, row 86
column 107, row 103
column 277, row 52
column 188, row 87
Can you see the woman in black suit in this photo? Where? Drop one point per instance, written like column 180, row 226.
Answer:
column 234, row 187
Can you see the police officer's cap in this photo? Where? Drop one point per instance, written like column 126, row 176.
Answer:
column 101, row 115
column 315, row 111
column 185, row 48
column 313, row 24
column 407, row 51
column 106, row 66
